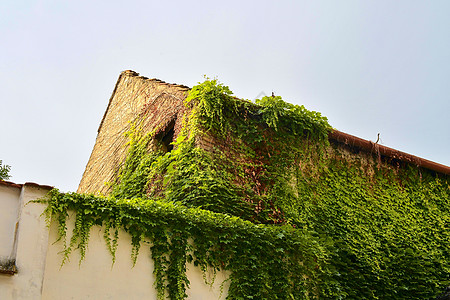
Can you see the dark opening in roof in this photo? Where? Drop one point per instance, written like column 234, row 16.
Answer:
column 165, row 137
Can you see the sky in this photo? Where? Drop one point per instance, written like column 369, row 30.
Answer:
column 369, row 66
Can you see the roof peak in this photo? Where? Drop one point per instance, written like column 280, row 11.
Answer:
column 132, row 73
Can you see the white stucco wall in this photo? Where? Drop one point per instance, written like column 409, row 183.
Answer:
column 30, row 249
column 96, row 278
column 9, row 209
column 40, row 275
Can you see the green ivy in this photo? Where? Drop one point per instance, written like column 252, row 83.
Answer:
column 211, row 101
column 4, row 171
column 257, row 189
column 390, row 228
column 265, row 261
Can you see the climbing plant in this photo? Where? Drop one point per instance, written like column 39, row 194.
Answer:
column 257, row 189
column 390, row 227
column 4, row 171
column 285, row 262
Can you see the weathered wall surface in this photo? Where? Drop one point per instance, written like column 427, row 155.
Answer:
column 151, row 103
column 9, row 209
column 97, row 278
column 30, row 247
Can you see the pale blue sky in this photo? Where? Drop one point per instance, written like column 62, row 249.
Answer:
column 369, row 66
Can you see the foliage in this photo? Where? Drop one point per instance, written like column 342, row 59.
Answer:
column 4, row 171
column 212, row 99
column 265, row 261
column 132, row 181
column 250, row 166
column 390, row 227
column 297, row 119
column 256, row 189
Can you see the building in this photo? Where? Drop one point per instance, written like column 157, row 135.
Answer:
column 159, row 106
column 374, row 212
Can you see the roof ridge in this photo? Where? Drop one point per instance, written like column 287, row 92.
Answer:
column 132, row 73
column 369, row 146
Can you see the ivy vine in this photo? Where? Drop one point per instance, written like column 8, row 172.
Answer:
column 269, row 199
column 284, row 261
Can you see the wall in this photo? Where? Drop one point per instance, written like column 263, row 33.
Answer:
column 97, row 278
column 30, row 242
column 37, row 257
column 150, row 102
column 9, row 209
